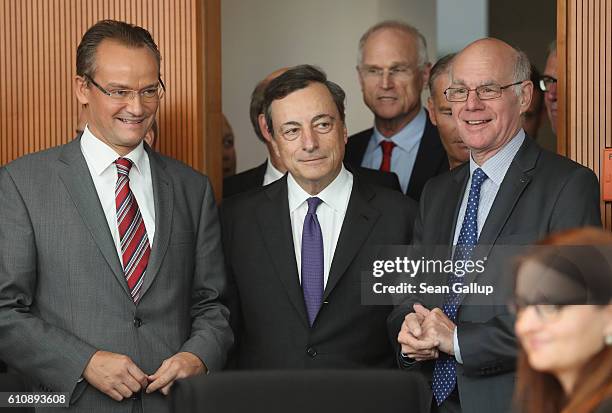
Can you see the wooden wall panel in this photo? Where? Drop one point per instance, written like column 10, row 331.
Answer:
column 38, row 41
column 584, row 41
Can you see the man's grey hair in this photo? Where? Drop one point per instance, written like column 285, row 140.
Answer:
column 422, row 58
column 441, row 67
column 522, row 70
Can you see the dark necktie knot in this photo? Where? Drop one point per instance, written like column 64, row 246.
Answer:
column 478, row 177
column 313, row 203
column 123, row 166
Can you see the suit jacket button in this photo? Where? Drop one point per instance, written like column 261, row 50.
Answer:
column 311, row 352
column 137, row 322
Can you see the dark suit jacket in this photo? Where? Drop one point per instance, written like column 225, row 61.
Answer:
column 63, row 294
column 541, row 193
column 253, row 178
column 431, row 159
column 267, row 308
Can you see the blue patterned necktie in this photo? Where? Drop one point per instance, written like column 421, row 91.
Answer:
column 312, row 260
column 444, row 375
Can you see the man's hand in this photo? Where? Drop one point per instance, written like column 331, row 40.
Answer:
column 115, row 375
column 179, row 366
column 437, row 327
column 415, row 344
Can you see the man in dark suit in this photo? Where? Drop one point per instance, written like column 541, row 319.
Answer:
column 111, row 265
column 295, row 249
column 273, row 168
column 511, row 192
column 393, row 70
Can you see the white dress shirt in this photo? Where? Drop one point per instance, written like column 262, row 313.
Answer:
column 496, row 168
column 100, row 160
column 330, row 214
column 272, row 174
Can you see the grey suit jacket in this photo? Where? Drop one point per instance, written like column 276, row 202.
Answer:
column 541, row 193
column 62, row 290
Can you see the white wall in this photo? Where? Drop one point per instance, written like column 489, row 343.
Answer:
column 460, row 23
column 263, row 35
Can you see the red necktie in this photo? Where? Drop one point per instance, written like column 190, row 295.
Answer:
column 135, row 248
column 387, row 148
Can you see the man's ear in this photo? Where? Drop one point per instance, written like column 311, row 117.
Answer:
column 431, row 111
column 425, row 74
column 526, row 96
column 81, row 89
column 263, row 127
column 359, row 77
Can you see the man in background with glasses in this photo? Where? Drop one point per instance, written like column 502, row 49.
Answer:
column 548, row 85
column 110, row 258
column 511, row 192
column 393, row 69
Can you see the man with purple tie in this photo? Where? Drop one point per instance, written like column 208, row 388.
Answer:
column 295, row 249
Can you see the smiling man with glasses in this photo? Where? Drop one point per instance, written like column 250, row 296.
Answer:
column 110, row 258
column 393, row 69
column 511, row 192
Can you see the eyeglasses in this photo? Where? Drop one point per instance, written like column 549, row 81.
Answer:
column 546, row 83
column 398, row 72
column 293, row 131
column 148, row 95
column 545, row 312
column 484, row 92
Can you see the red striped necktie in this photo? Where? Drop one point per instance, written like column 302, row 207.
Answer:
column 135, row 248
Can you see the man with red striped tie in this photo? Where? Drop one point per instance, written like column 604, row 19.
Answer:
column 110, row 261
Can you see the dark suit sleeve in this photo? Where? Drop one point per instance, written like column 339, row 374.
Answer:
column 47, row 354
column 405, row 306
column 578, row 202
column 231, row 299
column 211, row 336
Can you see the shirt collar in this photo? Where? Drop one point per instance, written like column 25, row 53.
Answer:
column 496, row 166
column 333, row 194
column 274, row 173
column 409, row 136
column 101, row 156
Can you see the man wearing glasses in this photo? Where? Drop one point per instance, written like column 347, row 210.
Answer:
column 110, row 259
column 393, row 69
column 548, row 85
column 295, row 248
column 511, row 192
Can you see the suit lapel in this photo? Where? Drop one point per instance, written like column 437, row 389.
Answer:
column 275, row 225
column 163, row 196
column 75, row 175
column 448, row 222
column 358, row 223
column 516, row 180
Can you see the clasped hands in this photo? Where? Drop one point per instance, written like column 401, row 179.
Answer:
column 425, row 333
column 119, row 377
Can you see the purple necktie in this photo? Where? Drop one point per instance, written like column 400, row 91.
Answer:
column 312, row 260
